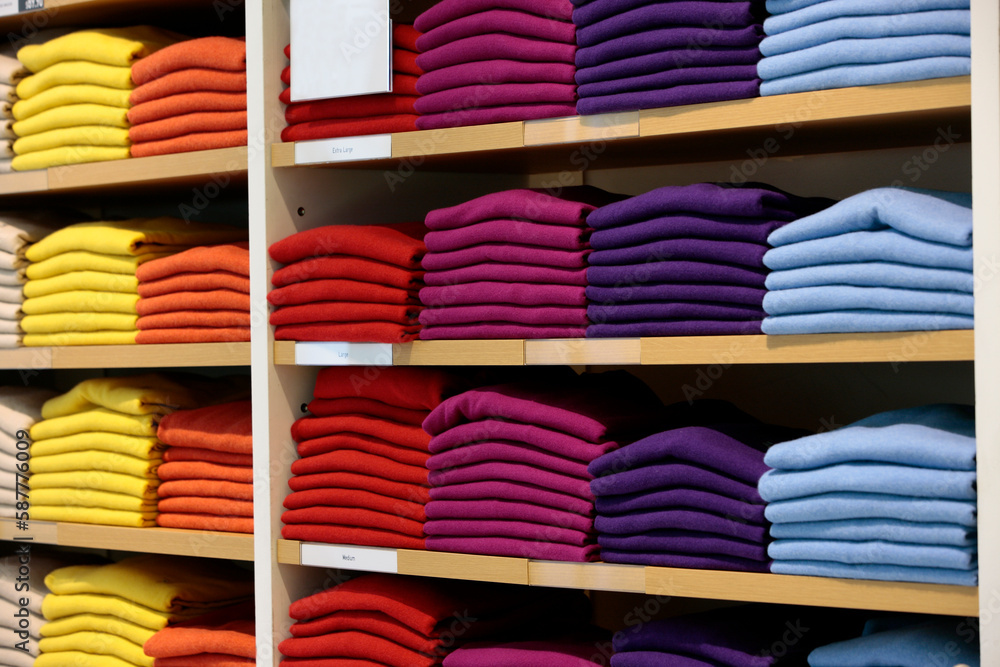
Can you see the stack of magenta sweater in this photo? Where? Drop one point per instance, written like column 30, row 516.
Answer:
column 685, row 260
column 642, row 54
column 890, row 497
column 491, row 61
column 823, row 44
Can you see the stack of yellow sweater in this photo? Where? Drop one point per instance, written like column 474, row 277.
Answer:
column 94, row 454
column 82, row 286
column 101, row 615
column 73, row 107
column 20, row 408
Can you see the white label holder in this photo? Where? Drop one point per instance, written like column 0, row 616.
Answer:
column 366, row 559
column 346, row 149
column 343, row 354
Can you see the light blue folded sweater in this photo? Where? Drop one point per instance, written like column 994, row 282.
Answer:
column 862, row 321
column 937, row 216
column 791, row 14
column 940, row 436
column 892, row 530
column 868, row 478
column 845, row 506
column 848, row 76
column 884, row 245
column 926, row 575
column 943, row 22
column 872, row 274
column 863, row 52
column 943, row 641
column 875, row 552
column 845, row 297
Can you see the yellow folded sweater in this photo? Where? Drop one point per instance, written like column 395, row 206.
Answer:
column 88, row 261
column 111, row 482
column 93, row 515
column 60, row 323
column 90, row 459
column 98, row 281
column 97, row 643
column 55, row 607
column 81, row 301
column 71, row 95
column 71, row 116
column 110, row 46
column 79, row 659
column 90, row 498
column 164, row 583
column 99, row 419
column 75, row 73
column 84, row 135
column 80, row 338
column 143, row 447
column 97, row 623
column 139, row 236
column 66, row 155
column 150, row 393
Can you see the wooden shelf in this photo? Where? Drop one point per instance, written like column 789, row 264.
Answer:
column 895, row 348
column 202, row 544
column 704, row 584
column 225, row 165
column 866, row 117
column 174, row 355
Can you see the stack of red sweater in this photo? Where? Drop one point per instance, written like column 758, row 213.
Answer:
column 222, row 638
column 355, row 283
column 382, row 619
column 190, row 96
column 201, row 295
column 207, row 474
column 364, row 114
column 362, row 478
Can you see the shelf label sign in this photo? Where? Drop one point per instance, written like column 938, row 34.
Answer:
column 11, row 7
column 367, row 559
column 343, row 354
column 348, row 149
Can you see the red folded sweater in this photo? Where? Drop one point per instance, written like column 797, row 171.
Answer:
column 193, row 454
column 175, row 105
column 191, row 335
column 203, row 505
column 415, row 493
column 230, row 257
column 368, row 537
column 188, row 124
column 405, row 435
column 355, row 498
column 410, row 387
column 349, row 127
column 205, row 488
column 195, row 318
column 312, row 291
column 351, row 644
column 221, row 53
column 350, row 311
column 362, row 443
column 209, row 522
column 329, row 407
column 226, row 427
column 349, row 332
column 345, row 267
column 190, row 81
column 386, row 104
column 203, row 141
column 400, row 244
column 372, row 622
column 402, row 84
column 195, row 282
column 338, row 461
column 204, row 471
column 356, row 517
column 219, row 299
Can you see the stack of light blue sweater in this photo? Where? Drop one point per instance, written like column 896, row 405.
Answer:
column 889, row 259
column 823, row 44
column 905, row 641
column 890, row 497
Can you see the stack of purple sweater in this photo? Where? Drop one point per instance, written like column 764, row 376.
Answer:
column 643, row 54
column 509, row 465
column 687, row 496
column 509, row 265
column 685, row 260
column 491, row 61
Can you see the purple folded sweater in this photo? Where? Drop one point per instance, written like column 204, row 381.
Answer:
column 519, row 529
column 514, row 472
column 701, row 93
column 519, row 294
column 514, row 548
column 668, row 39
column 608, row 296
column 560, row 237
column 674, row 328
column 671, row 78
column 513, row 491
column 495, row 95
column 666, row 14
column 487, row 72
column 506, row 510
column 496, row 47
column 664, row 61
column 501, row 331
column 705, row 562
column 451, row 10
column 587, row 12
column 549, row 440
column 675, row 272
column 681, row 498
column 749, row 230
column 490, row 115
column 513, row 22
column 655, row 659
column 666, row 475
column 525, row 315
column 666, row 311
column 511, row 452
column 563, row 653
column 571, row 207
column 644, row 522
column 507, row 253
column 697, row 250
column 685, row 542
column 507, row 273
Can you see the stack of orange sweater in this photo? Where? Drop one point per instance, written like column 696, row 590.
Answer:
column 190, row 96
column 201, row 295
column 222, row 638
column 207, row 474
column 355, row 283
column 364, row 114
column 362, row 478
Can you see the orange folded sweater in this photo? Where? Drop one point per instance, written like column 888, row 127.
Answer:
column 204, row 470
column 226, row 427
column 203, row 141
column 190, row 123
column 207, row 488
column 219, row 299
column 192, row 335
column 222, row 53
column 220, row 524
column 230, row 257
column 175, row 105
column 203, row 505
column 210, row 455
column 195, row 282
column 204, row 660
column 190, row 81
column 195, row 318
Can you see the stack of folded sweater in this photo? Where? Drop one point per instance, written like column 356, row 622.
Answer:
column 905, row 641
column 509, row 472
column 687, row 497
column 362, row 476
column 73, row 108
column 509, row 265
column 222, row 638
column 890, row 497
column 190, row 96
column 492, row 61
column 201, row 295
column 353, row 283
column 555, row 652
column 11, row 72
column 381, row 619
column 104, row 614
column 95, row 453
column 364, row 114
column 641, row 55
column 818, row 45
column 206, row 480
column 20, row 408
column 889, row 259
column 685, row 260
column 83, row 277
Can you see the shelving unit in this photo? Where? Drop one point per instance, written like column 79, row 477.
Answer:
column 174, row 355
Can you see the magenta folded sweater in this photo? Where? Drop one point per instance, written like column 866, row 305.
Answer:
column 571, row 207
column 490, row 115
column 507, row 273
column 495, row 95
column 488, row 72
column 452, row 10
column 514, row 472
column 507, row 510
column 506, row 253
column 507, row 451
column 493, row 47
column 550, row 440
column 564, row 653
column 501, row 331
column 530, row 315
column 512, row 492
column 519, row 294
column 518, row 529
column 512, row 22
column 560, row 237
column 514, row 548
